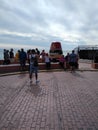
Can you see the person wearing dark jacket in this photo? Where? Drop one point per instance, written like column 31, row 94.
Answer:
column 22, row 58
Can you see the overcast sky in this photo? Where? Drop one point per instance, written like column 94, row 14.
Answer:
column 37, row 23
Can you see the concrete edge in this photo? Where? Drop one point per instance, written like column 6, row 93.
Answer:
column 52, row 70
column 24, row 72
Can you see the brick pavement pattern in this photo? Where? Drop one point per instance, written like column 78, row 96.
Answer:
column 60, row 101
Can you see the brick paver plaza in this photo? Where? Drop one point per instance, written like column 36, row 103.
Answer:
column 61, row 101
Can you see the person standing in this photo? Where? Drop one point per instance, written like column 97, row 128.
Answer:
column 33, row 66
column 47, row 61
column 6, row 57
column 22, row 58
column 43, row 55
column 67, row 61
column 11, row 55
column 17, row 56
column 62, row 61
column 73, row 61
column 37, row 51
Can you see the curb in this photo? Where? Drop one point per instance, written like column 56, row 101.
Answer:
column 40, row 71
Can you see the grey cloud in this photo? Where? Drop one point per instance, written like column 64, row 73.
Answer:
column 37, row 17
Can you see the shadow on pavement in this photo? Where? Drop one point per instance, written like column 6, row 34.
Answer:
column 22, row 75
column 35, row 89
column 77, row 75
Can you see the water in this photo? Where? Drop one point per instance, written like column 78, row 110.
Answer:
column 1, row 53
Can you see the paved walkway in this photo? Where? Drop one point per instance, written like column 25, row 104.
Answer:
column 61, row 101
column 85, row 65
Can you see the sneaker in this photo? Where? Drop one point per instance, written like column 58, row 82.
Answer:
column 37, row 81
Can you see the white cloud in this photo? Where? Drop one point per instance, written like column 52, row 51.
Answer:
column 40, row 22
column 19, row 46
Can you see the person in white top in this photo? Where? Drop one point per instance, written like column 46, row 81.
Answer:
column 47, row 61
column 33, row 66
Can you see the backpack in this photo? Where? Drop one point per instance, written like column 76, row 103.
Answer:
column 34, row 61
